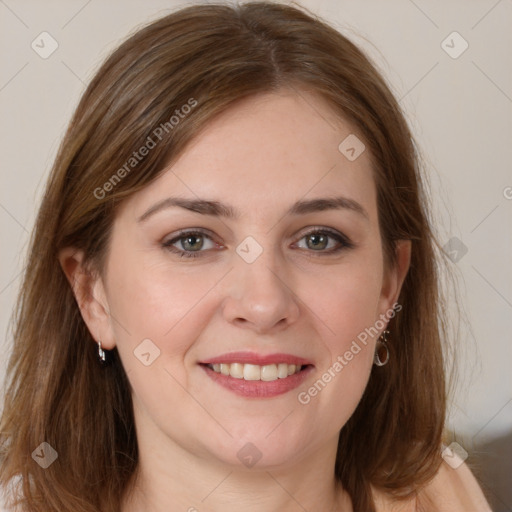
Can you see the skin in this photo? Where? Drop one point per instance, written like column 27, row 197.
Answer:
column 260, row 157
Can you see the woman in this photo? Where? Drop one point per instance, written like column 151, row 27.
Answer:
column 232, row 299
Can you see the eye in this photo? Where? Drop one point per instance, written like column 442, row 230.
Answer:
column 188, row 243
column 320, row 239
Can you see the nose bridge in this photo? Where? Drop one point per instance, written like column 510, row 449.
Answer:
column 260, row 295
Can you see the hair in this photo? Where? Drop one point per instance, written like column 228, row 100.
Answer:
column 210, row 57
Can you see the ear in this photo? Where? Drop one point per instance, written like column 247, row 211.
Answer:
column 89, row 291
column 394, row 276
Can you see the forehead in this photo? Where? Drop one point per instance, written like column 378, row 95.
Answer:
column 265, row 153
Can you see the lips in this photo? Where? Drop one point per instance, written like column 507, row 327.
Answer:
column 257, row 376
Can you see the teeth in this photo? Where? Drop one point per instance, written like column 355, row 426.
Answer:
column 266, row 373
column 282, row 370
column 237, row 370
column 269, row 372
column 251, row 371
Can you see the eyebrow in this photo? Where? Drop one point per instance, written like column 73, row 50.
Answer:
column 218, row 209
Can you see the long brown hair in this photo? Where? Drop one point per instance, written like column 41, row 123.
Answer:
column 209, row 56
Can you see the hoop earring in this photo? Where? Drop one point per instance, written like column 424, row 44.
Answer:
column 381, row 356
column 102, row 356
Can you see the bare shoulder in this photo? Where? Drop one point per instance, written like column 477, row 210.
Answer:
column 451, row 490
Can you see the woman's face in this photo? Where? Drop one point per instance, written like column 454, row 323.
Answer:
column 272, row 263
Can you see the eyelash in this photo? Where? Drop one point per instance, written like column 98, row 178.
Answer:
column 344, row 242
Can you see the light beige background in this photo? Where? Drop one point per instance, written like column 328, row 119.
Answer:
column 460, row 110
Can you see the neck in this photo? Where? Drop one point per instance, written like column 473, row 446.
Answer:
column 230, row 491
column 170, row 477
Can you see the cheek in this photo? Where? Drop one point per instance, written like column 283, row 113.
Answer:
column 150, row 300
column 156, row 304
column 347, row 306
column 349, row 302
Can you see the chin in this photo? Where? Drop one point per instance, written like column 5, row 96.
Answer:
column 261, row 446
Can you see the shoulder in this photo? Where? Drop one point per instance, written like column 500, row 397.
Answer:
column 451, row 490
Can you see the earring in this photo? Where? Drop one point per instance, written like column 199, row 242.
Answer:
column 102, row 356
column 381, row 351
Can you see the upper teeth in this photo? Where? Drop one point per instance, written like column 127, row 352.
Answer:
column 255, row 372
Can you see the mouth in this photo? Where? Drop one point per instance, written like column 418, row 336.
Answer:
column 253, row 376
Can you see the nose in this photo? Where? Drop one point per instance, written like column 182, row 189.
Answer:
column 260, row 296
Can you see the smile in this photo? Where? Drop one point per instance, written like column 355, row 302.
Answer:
column 252, row 375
